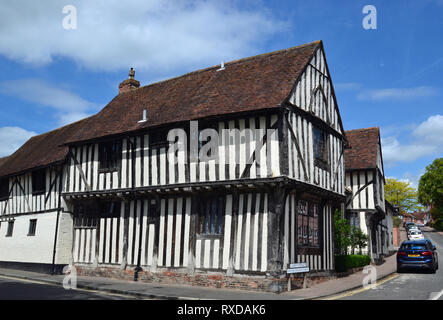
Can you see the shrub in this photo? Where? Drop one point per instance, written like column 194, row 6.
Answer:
column 438, row 224
column 345, row 262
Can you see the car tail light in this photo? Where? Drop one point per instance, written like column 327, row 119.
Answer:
column 401, row 253
column 426, row 253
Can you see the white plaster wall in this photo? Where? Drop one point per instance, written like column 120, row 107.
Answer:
column 64, row 239
column 23, row 248
column 364, row 228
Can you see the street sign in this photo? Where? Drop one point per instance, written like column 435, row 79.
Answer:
column 298, row 268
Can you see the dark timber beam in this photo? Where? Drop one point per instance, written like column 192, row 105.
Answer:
column 277, row 197
column 233, row 240
column 193, row 233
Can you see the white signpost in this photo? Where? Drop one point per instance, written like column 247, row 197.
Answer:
column 297, row 268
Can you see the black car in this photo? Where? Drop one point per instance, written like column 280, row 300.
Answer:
column 417, row 254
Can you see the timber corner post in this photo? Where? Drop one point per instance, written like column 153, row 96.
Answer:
column 193, row 234
column 124, row 263
column 277, row 197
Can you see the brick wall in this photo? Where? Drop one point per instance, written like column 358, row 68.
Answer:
column 206, row 279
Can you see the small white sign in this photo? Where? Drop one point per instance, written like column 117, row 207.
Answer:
column 298, row 265
column 297, row 270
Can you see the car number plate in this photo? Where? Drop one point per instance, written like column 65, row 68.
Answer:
column 413, row 255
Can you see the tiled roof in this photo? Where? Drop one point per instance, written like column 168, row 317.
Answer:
column 249, row 84
column 3, row 160
column 364, row 147
column 419, row 215
column 39, row 151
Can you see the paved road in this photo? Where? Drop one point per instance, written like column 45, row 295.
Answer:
column 411, row 285
column 17, row 289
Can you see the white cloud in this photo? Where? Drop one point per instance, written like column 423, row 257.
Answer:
column 68, row 106
column 398, row 93
column 424, row 140
column 114, row 35
column 12, row 138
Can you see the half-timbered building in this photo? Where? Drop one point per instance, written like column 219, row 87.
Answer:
column 223, row 176
column 365, row 207
column 35, row 228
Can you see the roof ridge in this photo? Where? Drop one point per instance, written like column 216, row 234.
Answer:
column 236, row 61
column 361, row 129
column 60, row 128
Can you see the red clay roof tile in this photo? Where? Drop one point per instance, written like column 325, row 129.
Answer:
column 364, row 147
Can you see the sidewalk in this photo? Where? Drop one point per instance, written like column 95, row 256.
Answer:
column 341, row 285
column 173, row 292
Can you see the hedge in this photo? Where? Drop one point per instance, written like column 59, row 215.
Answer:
column 345, row 262
column 438, row 224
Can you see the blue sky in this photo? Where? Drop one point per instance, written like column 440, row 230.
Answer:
column 390, row 77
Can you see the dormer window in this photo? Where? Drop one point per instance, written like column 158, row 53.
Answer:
column 110, row 154
column 321, row 149
column 4, row 189
column 39, row 182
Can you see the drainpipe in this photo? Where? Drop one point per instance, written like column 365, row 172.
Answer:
column 57, row 220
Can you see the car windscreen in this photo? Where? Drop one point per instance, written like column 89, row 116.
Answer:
column 413, row 246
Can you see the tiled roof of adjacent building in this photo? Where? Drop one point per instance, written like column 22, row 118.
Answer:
column 245, row 85
column 364, row 145
column 39, row 151
column 250, row 84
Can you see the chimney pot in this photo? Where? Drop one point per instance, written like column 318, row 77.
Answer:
column 129, row 84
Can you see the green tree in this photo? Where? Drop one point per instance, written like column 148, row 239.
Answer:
column 430, row 186
column 342, row 233
column 359, row 240
column 406, row 195
column 430, row 191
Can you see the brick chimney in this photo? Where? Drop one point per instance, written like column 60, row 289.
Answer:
column 129, row 84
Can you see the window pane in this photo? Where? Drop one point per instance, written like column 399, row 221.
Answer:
column 211, row 216
column 300, row 229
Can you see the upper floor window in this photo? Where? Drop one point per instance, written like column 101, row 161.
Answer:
column 4, row 189
column 110, row 154
column 320, row 149
column 308, row 225
column 158, row 139
column 210, row 219
column 39, row 181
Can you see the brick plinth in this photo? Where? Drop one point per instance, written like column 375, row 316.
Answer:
column 254, row 282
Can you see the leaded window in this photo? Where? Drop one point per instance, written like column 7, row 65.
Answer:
column 39, row 181
column 210, row 219
column 321, row 149
column 308, row 224
column 110, row 154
